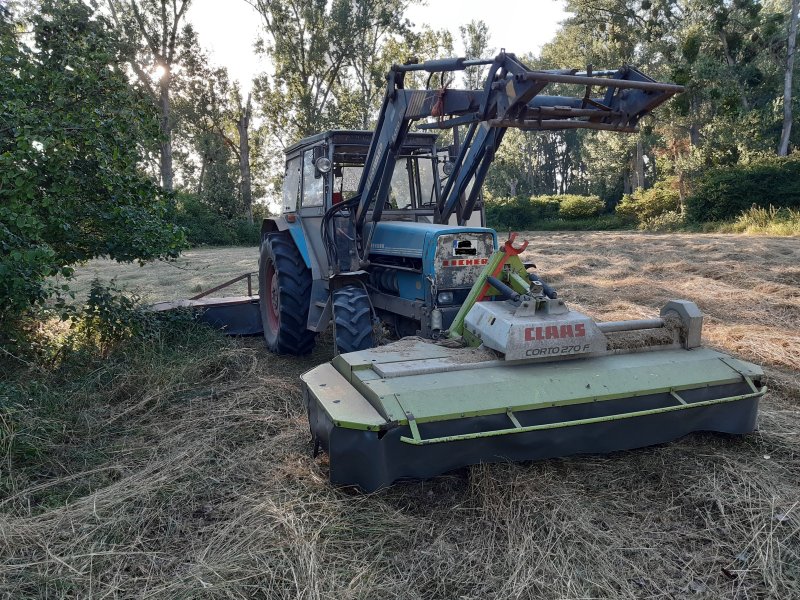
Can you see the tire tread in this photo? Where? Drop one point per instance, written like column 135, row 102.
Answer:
column 294, row 280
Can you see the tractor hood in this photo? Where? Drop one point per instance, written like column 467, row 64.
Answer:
column 404, row 238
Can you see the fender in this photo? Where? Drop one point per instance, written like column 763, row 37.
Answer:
column 295, row 230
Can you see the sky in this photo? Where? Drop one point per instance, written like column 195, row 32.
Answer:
column 228, row 28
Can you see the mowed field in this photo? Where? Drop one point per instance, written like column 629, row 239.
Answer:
column 194, row 271
column 207, row 487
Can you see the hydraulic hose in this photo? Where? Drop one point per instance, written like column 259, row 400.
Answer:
column 505, row 291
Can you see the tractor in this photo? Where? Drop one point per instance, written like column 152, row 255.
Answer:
column 384, row 229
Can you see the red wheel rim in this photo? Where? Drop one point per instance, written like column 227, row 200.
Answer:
column 272, row 298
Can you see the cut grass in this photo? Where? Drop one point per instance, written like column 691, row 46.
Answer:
column 181, row 467
column 196, row 270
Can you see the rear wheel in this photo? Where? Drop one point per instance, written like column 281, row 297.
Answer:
column 352, row 315
column 284, row 288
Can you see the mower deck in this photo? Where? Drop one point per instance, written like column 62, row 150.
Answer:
column 416, row 409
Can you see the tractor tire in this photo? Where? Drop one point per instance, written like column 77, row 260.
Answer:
column 284, row 288
column 352, row 319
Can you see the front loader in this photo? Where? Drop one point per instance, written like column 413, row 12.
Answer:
column 384, row 230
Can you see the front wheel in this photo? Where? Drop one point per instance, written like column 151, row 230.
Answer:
column 352, row 319
column 284, row 288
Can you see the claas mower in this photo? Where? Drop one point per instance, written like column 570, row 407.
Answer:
column 520, row 376
column 383, row 235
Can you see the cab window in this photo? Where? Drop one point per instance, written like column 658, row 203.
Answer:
column 291, row 185
column 400, row 190
column 427, row 182
column 313, row 182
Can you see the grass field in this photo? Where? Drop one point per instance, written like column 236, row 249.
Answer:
column 184, row 468
column 196, row 270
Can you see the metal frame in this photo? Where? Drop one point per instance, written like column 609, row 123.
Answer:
column 248, row 276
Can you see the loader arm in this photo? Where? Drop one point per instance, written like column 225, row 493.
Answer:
column 511, row 97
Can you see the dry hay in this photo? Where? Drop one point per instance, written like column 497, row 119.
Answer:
column 457, row 353
column 209, row 489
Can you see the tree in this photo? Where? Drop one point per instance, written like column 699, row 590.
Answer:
column 374, row 23
column 308, row 42
column 243, row 154
column 152, row 30
column 475, row 38
column 215, row 109
column 786, row 130
column 74, row 135
column 241, row 115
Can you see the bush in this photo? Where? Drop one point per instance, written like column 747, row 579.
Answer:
column 544, row 207
column 772, row 221
column 567, row 212
column 247, row 234
column 509, row 213
column 645, row 205
column 109, row 316
column 723, row 193
column 580, row 207
column 206, row 226
column 668, row 221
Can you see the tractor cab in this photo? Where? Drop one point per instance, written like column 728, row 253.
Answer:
column 325, row 169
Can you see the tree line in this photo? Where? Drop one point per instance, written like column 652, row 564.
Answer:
column 735, row 57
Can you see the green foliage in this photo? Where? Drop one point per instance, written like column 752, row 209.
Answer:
column 543, row 207
column 475, row 38
column 207, row 225
column 603, row 222
column 648, row 204
column 508, row 213
column 729, row 55
column 666, row 221
column 547, row 212
column 108, row 317
column 71, row 148
column 308, row 43
column 771, row 221
column 722, row 193
column 520, row 213
column 579, row 207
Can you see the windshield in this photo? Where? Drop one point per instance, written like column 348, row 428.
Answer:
column 413, row 183
column 345, row 180
column 400, row 190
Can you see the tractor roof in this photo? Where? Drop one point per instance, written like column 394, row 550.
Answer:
column 358, row 138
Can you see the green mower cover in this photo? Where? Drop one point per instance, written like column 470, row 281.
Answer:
column 416, row 409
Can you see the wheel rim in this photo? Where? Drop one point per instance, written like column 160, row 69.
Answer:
column 273, row 303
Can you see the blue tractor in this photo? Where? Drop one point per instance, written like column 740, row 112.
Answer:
column 385, row 231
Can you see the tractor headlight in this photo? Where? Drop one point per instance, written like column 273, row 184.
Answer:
column 444, row 298
column 323, row 164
